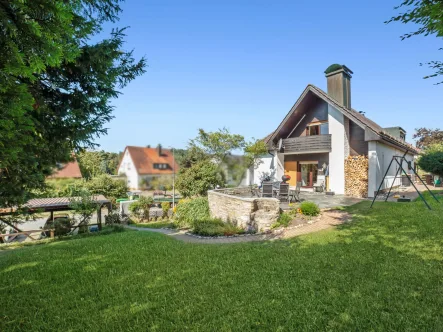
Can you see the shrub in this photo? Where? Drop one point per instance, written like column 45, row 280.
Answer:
column 198, row 179
column 214, row 227
column 114, row 218
column 283, row 220
column 190, row 210
column 431, row 160
column 166, row 207
column 309, row 208
column 83, row 207
column 61, row 226
column 141, row 207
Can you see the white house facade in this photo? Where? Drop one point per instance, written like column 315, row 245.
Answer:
column 141, row 165
column 321, row 132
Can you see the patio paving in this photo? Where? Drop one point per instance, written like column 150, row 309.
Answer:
column 325, row 201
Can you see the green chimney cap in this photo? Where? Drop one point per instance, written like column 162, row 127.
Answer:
column 335, row 67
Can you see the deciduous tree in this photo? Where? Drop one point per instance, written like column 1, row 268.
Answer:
column 427, row 136
column 427, row 15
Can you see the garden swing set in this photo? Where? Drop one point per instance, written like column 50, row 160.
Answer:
column 399, row 160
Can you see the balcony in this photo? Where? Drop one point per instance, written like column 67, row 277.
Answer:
column 307, row 144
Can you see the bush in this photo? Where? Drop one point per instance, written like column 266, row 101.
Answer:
column 166, row 207
column 189, row 210
column 141, row 208
column 214, row 227
column 61, row 226
column 114, row 218
column 431, row 160
column 309, row 208
column 283, row 220
column 198, row 179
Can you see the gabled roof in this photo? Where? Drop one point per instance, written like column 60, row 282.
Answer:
column 352, row 114
column 145, row 158
column 68, row 170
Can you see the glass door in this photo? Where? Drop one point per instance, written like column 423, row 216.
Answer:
column 309, row 174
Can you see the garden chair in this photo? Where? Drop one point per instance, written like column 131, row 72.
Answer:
column 283, row 192
column 319, row 186
column 267, row 189
column 295, row 194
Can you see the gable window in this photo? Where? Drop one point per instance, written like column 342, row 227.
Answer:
column 317, row 129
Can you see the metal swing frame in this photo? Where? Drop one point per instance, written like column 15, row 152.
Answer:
column 399, row 160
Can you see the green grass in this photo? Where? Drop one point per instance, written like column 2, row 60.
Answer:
column 156, row 224
column 381, row 272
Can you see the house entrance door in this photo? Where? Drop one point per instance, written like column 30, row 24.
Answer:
column 309, row 171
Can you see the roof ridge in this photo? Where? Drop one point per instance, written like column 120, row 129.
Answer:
column 357, row 117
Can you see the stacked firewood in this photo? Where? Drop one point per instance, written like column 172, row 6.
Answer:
column 356, row 176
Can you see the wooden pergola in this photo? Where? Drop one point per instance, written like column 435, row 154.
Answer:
column 56, row 204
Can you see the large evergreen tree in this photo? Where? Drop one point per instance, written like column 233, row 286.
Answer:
column 55, row 85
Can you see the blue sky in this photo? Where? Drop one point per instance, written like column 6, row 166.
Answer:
column 242, row 65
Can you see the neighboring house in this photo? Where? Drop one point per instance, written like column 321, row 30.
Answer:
column 141, row 165
column 322, row 130
column 69, row 170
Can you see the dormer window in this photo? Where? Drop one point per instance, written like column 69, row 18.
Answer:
column 161, row 166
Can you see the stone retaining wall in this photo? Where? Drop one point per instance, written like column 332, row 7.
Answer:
column 250, row 213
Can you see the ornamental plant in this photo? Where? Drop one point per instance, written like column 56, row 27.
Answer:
column 309, row 208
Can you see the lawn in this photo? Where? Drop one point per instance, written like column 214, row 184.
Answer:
column 383, row 271
column 156, row 224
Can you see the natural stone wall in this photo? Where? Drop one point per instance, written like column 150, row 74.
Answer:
column 250, row 213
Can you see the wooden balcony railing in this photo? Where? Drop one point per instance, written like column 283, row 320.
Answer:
column 307, row 144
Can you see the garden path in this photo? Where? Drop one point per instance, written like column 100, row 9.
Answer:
column 328, row 219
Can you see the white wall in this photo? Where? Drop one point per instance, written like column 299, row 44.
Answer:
column 268, row 164
column 337, row 154
column 127, row 167
column 380, row 156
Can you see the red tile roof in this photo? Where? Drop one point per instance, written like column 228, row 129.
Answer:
column 145, row 158
column 69, row 170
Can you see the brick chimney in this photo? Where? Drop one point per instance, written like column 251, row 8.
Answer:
column 339, row 83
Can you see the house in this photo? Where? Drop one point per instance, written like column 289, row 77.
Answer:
column 70, row 170
column 141, row 165
column 321, row 131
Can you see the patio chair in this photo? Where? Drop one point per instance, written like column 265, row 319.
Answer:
column 283, row 193
column 319, row 186
column 267, row 189
column 295, row 194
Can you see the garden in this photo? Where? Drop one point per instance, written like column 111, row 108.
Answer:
column 382, row 271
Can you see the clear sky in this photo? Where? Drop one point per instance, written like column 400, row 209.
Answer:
column 243, row 64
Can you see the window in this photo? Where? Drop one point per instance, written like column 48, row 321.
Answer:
column 317, row 129
column 161, row 166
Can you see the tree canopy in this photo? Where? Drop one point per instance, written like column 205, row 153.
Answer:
column 431, row 159
column 427, row 15
column 55, row 85
column 427, row 136
column 94, row 163
column 209, row 161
